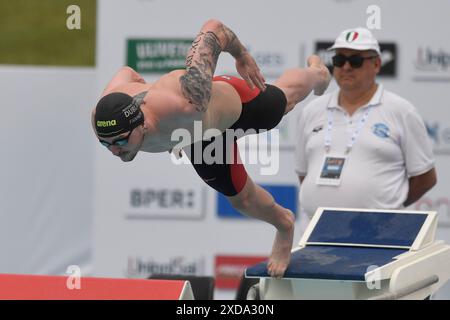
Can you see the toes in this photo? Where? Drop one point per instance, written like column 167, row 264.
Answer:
column 276, row 274
column 275, row 271
column 271, row 269
column 278, row 271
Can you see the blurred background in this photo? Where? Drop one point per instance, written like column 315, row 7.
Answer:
column 66, row 201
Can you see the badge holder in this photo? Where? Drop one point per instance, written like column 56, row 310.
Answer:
column 331, row 172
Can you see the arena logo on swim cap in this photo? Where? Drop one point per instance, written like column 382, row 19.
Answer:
column 109, row 123
column 351, row 36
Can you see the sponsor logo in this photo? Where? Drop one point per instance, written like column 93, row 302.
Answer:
column 388, row 56
column 439, row 204
column 432, row 64
column 271, row 63
column 230, row 269
column 284, row 195
column 155, row 203
column 318, row 129
column 157, row 55
column 141, row 268
column 381, row 130
column 440, row 136
column 109, row 123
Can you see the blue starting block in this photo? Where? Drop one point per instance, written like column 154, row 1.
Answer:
column 362, row 254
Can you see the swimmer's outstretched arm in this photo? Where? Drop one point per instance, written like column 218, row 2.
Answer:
column 201, row 61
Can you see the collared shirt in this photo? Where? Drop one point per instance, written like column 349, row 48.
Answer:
column 356, row 125
column 392, row 146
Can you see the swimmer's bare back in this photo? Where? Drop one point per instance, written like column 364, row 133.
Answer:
column 167, row 109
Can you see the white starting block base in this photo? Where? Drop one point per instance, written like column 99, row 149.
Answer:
column 362, row 254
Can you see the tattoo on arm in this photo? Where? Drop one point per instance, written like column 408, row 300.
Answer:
column 201, row 63
column 233, row 45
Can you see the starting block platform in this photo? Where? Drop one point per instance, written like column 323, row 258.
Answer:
column 362, row 254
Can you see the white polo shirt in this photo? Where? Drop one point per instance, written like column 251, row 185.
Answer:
column 392, row 146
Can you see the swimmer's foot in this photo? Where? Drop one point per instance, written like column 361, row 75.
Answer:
column 324, row 76
column 281, row 250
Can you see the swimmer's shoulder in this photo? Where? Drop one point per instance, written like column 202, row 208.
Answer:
column 133, row 88
column 164, row 95
column 170, row 79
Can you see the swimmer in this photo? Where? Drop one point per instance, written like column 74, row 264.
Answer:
column 133, row 116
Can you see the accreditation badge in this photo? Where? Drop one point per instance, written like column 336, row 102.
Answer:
column 332, row 169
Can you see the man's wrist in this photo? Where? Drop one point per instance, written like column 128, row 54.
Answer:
column 232, row 44
column 240, row 54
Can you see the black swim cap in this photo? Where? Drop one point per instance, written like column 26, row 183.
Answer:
column 118, row 113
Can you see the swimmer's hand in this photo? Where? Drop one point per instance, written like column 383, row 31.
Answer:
column 248, row 69
column 127, row 156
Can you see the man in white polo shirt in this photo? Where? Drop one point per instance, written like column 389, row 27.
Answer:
column 361, row 146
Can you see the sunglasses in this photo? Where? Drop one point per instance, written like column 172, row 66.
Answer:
column 355, row 61
column 119, row 142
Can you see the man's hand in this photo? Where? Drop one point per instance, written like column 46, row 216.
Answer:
column 248, row 69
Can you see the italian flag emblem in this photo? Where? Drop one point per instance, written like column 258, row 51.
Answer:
column 351, row 36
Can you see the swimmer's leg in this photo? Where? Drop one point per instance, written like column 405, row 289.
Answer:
column 297, row 83
column 257, row 203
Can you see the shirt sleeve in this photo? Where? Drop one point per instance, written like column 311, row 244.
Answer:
column 416, row 145
column 301, row 165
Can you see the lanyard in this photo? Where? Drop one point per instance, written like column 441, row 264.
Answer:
column 355, row 134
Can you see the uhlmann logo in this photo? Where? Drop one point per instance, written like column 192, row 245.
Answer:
column 162, row 48
column 138, row 267
column 109, row 123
